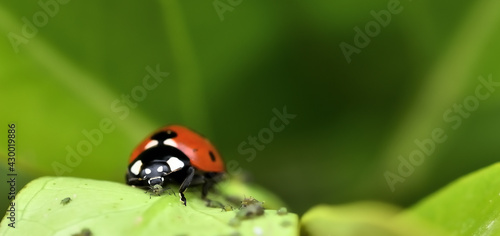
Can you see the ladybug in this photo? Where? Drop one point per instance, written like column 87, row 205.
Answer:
column 175, row 154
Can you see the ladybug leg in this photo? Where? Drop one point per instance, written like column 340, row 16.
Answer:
column 207, row 185
column 186, row 183
column 132, row 180
column 209, row 180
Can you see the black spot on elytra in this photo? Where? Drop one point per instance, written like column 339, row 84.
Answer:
column 212, row 156
column 164, row 135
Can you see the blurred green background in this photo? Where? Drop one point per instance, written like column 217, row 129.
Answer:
column 230, row 63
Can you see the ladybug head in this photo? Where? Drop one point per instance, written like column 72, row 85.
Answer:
column 154, row 172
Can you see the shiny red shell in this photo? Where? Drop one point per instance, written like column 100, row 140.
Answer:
column 196, row 147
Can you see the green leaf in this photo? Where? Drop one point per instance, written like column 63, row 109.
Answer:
column 110, row 208
column 363, row 218
column 468, row 206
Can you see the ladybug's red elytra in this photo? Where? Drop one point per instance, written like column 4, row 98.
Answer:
column 175, row 154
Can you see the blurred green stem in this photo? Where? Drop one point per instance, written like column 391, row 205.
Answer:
column 187, row 73
column 446, row 82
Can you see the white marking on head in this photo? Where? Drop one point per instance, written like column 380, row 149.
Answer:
column 147, row 171
column 175, row 164
column 160, row 169
column 151, row 144
column 149, row 180
column 170, row 142
column 136, row 167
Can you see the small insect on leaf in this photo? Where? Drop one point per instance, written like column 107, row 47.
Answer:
column 84, row 232
column 227, row 208
column 65, row 201
column 250, row 201
column 250, row 211
column 250, row 208
column 155, row 190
